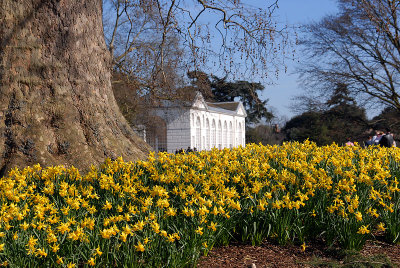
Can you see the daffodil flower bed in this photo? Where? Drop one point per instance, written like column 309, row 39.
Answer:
column 171, row 209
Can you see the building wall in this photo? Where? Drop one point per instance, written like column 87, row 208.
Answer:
column 178, row 128
column 201, row 129
column 229, row 130
column 178, row 131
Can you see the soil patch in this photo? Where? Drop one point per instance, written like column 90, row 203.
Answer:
column 374, row 254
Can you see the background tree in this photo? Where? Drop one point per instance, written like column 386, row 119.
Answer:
column 220, row 90
column 389, row 118
column 340, row 96
column 334, row 125
column 264, row 134
column 308, row 101
column 247, row 93
column 144, row 46
column 344, row 119
column 360, row 47
column 154, row 44
column 126, row 92
column 308, row 125
column 200, row 81
column 157, row 42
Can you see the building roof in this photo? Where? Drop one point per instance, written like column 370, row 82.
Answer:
column 233, row 106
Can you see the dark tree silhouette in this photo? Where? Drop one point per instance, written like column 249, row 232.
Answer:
column 247, row 93
column 221, row 90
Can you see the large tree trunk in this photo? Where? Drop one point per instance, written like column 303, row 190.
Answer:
column 56, row 102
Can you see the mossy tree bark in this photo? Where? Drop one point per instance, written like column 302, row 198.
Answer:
column 56, row 102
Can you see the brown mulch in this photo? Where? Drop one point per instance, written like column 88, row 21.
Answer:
column 374, row 254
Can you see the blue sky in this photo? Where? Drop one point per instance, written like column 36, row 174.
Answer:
column 293, row 12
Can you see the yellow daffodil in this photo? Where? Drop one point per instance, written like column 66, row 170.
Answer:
column 41, row 252
column 71, row 265
column 212, row 226
column 31, row 243
column 171, row 238
column 199, row 230
column 381, row 227
column 363, row 230
column 55, row 248
column 303, row 247
column 91, row 262
column 139, row 247
column 107, row 205
column 59, row 260
column 358, row 216
column 98, row 251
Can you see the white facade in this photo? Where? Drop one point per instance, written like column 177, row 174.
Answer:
column 201, row 125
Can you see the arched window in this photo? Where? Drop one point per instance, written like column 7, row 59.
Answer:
column 240, row 135
column 225, row 136
column 207, row 145
column 213, row 135
column 198, row 133
column 230, row 135
column 219, row 135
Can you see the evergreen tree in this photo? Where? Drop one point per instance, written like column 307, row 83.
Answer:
column 220, row 90
column 247, row 93
column 344, row 119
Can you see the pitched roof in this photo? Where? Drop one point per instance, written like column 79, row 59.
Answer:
column 233, row 106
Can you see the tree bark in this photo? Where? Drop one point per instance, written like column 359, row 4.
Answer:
column 56, row 102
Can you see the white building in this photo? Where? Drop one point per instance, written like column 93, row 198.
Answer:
column 200, row 124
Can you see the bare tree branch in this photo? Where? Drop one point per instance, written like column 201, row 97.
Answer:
column 360, row 47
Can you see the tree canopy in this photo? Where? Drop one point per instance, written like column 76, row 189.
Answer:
column 335, row 125
column 247, row 93
column 342, row 119
column 157, row 42
column 221, row 90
